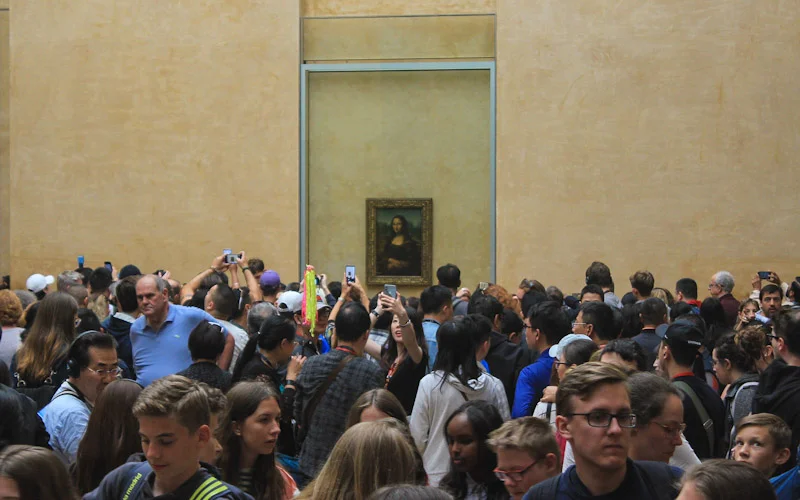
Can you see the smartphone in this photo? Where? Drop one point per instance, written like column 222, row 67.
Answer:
column 229, row 258
column 764, row 275
column 390, row 290
column 350, row 274
column 483, row 285
column 80, row 261
column 109, row 266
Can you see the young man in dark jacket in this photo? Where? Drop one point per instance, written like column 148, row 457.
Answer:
column 174, row 418
column 779, row 386
column 119, row 324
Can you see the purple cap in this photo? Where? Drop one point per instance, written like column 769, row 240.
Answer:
column 270, row 278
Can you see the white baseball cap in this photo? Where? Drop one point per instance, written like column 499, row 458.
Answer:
column 38, row 282
column 290, row 302
column 556, row 350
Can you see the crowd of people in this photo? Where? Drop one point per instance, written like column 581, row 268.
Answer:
column 234, row 385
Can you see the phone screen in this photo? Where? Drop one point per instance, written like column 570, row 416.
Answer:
column 80, row 261
column 390, row 290
column 109, row 266
column 764, row 275
column 350, row 273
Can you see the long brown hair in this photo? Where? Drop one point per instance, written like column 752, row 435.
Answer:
column 367, row 457
column 49, row 337
column 38, row 473
column 112, row 435
column 381, row 399
column 243, row 401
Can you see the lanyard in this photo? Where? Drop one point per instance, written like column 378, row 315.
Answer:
column 347, row 349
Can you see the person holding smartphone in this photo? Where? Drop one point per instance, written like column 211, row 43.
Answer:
column 405, row 354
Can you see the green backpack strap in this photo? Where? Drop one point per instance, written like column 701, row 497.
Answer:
column 209, row 489
column 708, row 424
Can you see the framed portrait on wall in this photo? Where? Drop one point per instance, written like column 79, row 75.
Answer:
column 399, row 241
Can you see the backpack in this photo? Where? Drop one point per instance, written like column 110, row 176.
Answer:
column 41, row 393
column 209, row 489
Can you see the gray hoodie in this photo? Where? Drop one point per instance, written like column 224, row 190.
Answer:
column 436, row 402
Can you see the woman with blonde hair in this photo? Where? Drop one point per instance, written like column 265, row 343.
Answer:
column 33, row 473
column 367, row 457
column 39, row 367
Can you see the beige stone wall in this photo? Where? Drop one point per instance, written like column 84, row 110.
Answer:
column 5, row 149
column 153, row 132
column 647, row 135
column 659, row 135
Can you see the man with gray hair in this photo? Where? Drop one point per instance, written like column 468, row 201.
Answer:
column 258, row 314
column 160, row 336
column 68, row 279
column 720, row 287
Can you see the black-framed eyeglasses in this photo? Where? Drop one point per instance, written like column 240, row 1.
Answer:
column 515, row 475
column 772, row 336
column 559, row 363
column 672, row 430
column 601, row 418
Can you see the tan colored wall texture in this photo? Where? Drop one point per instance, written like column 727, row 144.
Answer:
column 659, row 135
column 647, row 135
column 5, row 146
column 403, row 134
column 153, row 132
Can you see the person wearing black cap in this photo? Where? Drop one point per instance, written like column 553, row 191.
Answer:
column 703, row 410
column 129, row 270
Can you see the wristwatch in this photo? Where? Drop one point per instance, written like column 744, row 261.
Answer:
column 375, row 312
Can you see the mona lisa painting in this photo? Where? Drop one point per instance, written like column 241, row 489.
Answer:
column 399, row 241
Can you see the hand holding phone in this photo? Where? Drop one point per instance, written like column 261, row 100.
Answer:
column 764, row 275
column 350, row 274
column 390, row 290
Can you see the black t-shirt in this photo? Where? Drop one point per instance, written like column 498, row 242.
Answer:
column 209, row 373
column 643, row 481
column 405, row 381
column 695, row 432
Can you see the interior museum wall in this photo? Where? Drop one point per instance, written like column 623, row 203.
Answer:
column 658, row 135
column 400, row 134
column 153, row 132
column 647, row 135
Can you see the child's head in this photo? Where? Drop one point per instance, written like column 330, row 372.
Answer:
column 527, row 453
column 174, row 417
column 762, row 440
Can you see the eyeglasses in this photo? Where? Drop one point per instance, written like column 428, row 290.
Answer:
column 672, row 430
column 772, row 337
column 114, row 371
column 712, row 285
column 515, row 475
column 559, row 363
column 575, row 323
column 600, row 418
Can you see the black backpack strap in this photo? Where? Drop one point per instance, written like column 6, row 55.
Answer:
column 134, row 485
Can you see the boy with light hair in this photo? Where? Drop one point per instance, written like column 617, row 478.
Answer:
column 763, row 441
column 527, row 454
column 174, row 415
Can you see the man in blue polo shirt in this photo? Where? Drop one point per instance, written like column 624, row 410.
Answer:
column 160, row 336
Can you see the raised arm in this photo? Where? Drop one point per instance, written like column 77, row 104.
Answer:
column 395, row 306
column 250, row 278
column 217, row 265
